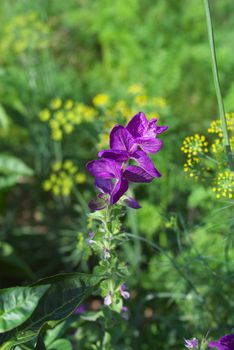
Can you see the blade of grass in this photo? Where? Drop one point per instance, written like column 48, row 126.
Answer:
column 217, row 85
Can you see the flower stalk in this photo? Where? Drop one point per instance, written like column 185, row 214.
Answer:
column 217, row 85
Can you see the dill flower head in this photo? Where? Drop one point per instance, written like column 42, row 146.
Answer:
column 224, row 184
column 159, row 102
column 63, row 116
column 216, row 127
column 195, row 145
column 135, row 89
column 24, row 32
column 101, row 100
column 63, row 178
column 141, row 100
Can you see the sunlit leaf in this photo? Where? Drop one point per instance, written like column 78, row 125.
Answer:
column 65, row 293
column 17, row 305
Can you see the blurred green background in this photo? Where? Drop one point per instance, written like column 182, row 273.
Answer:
column 154, row 56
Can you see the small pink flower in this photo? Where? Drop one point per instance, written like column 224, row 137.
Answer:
column 123, row 292
column 106, row 254
column 191, row 343
column 90, row 238
column 108, row 299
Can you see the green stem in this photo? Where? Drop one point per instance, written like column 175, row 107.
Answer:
column 217, row 86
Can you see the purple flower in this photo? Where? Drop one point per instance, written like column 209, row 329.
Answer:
column 108, row 299
column 125, row 312
column 123, row 147
column 144, row 132
column 113, row 173
column 191, row 343
column 106, row 254
column 90, row 239
column 224, row 343
column 80, row 309
column 112, row 177
column 123, row 292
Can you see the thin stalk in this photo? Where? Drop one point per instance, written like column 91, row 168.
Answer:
column 217, row 85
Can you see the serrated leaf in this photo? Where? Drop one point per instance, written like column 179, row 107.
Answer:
column 17, row 305
column 64, row 295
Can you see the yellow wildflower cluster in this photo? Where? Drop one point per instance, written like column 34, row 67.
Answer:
column 224, row 184
column 135, row 89
column 24, row 32
column 190, row 167
column 63, row 178
column 122, row 110
column 216, row 128
column 195, row 145
column 101, row 100
column 63, row 117
column 208, row 162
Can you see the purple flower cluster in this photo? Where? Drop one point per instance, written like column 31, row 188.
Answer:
column 191, row 343
column 224, row 343
column 112, row 170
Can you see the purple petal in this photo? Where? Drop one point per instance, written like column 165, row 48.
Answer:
column 146, row 163
column 99, row 203
column 149, row 145
column 108, row 300
column 153, row 129
column 104, row 185
column 120, row 188
column 161, row 129
column 213, row 344
column 80, row 309
column 121, row 139
column 118, row 156
column 104, row 168
column 134, row 173
column 131, row 203
column 138, row 125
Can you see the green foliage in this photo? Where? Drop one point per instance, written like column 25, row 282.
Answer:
column 108, row 60
column 17, row 305
column 11, row 170
column 62, row 294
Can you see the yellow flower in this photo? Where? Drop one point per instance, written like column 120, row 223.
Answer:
column 68, row 104
column 68, row 128
column 68, row 164
column 56, row 166
column 57, row 134
column 44, row 115
column 56, row 103
column 47, row 185
column 195, row 145
column 135, row 89
column 101, row 100
column 80, row 178
column 63, row 178
column 224, row 184
column 159, row 102
column 141, row 100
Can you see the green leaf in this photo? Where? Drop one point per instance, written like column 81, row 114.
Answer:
column 17, row 305
column 11, row 169
column 4, row 121
column 60, row 344
column 66, row 292
column 10, row 165
column 11, row 264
